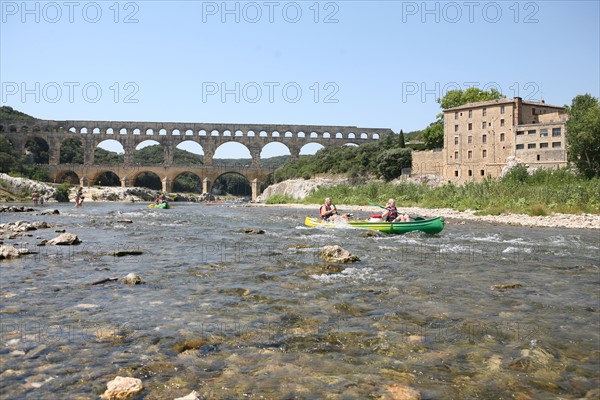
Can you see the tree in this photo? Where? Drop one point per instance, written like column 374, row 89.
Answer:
column 583, row 135
column 391, row 162
column 433, row 135
column 401, row 142
column 455, row 98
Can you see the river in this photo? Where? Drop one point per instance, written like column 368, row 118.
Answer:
column 478, row 311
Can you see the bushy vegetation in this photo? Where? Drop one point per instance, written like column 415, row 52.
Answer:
column 384, row 158
column 541, row 193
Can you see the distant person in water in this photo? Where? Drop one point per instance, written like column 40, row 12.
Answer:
column 329, row 212
column 391, row 213
column 35, row 198
column 79, row 197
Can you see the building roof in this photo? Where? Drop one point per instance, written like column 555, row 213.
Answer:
column 497, row 102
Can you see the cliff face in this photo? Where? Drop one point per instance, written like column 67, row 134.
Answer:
column 298, row 188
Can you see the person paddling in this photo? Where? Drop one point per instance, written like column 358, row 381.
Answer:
column 391, row 213
column 329, row 212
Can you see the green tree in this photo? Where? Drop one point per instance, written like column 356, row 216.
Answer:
column 583, row 134
column 455, row 98
column 391, row 162
column 433, row 135
column 401, row 138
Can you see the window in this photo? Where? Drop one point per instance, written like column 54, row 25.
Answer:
column 470, row 113
column 543, row 132
column 543, row 145
column 555, row 131
column 502, row 137
column 484, row 154
column 455, row 128
column 501, row 109
column 520, row 146
column 470, row 154
column 502, row 122
column 531, row 132
column 456, row 115
column 533, row 111
column 520, row 132
column 484, row 112
column 456, row 140
column 456, row 155
column 470, row 126
column 531, row 146
column 484, row 139
column 538, row 157
column 482, row 172
column 456, row 173
column 556, row 145
column 470, row 173
column 483, row 125
column 470, row 139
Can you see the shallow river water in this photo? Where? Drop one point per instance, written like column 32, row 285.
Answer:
column 477, row 311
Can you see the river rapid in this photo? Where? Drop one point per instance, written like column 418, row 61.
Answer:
column 478, row 311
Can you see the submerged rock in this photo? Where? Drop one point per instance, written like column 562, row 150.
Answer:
column 336, row 254
column 401, row 392
column 66, row 239
column 253, row 231
column 122, row 388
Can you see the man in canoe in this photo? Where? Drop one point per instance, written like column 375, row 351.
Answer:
column 391, row 213
column 329, row 212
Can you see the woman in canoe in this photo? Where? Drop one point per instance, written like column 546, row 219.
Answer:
column 391, row 213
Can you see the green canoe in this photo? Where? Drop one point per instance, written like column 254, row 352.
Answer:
column 161, row 205
column 430, row 226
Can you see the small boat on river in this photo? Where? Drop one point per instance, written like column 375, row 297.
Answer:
column 430, row 226
column 161, row 205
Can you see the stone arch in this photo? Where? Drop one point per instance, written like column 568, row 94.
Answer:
column 83, row 130
column 149, row 132
column 110, row 131
column 232, row 183
column 162, row 132
column 250, row 133
column 226, row 132
column 263, row 134
column 202, row 132
column 288, row 134
column 67, row 176
column 96, row 131
column 273, row 149
column 364, row 136
column 137, row 131
column 147, row 179
column 189, row 132
column 71, row 151
column 187, row 182
column 123, row 131
column 106, row 178
column 311, row 148
column 275, row 134
column 375, row 136
column 37, row 149
column 314, row 135
column 175, row 132
column 196, row 157
column 351, row 135
column 24, row 129
column 301, row 134
column 109, row 151
column 214, row 132
column 326, row 135
column 239, row 133
column 242, row 154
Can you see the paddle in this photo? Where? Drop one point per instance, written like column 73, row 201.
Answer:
column 375, row 204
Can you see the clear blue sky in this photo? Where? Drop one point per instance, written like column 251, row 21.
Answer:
column 369, row 64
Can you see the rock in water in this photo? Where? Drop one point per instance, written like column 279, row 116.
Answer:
column 66, row 239
column 336, row 254
column 191, row 396
column 133, row 279
column 122, row 388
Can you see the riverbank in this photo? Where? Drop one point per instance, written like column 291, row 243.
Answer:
column 557, row 220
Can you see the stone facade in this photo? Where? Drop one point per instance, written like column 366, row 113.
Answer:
column 479, row 138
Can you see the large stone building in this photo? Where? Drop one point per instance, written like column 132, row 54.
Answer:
column 479, row 139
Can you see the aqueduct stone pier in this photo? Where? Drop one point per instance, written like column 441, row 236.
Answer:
column 208, row 136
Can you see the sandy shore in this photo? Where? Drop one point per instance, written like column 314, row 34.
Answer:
column 573, row 221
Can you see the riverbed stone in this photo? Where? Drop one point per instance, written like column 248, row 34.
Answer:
column 122, row 388
column 10, row 251
column 401, row 392
column 337, row 254
column 132, row 279
column 192, row 396
column 65, row 239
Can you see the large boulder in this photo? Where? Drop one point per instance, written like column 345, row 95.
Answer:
column 65, row 239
